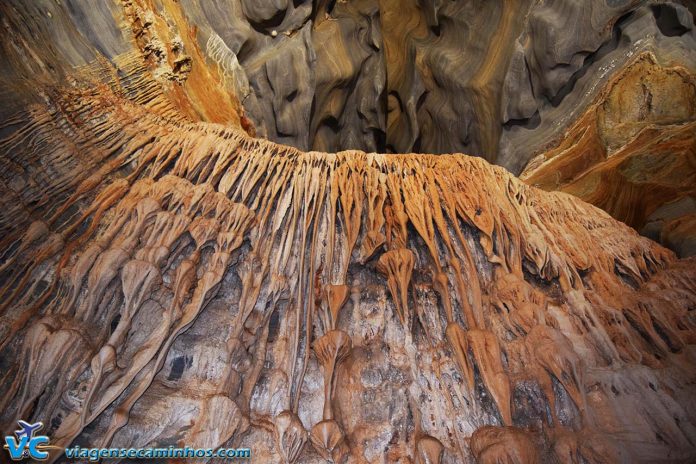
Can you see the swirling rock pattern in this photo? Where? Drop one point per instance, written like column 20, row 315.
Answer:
column 633, row 153
column 505, row 80
column 498, row 79
column 167, row 279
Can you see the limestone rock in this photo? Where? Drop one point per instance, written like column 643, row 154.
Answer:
column 168, row 279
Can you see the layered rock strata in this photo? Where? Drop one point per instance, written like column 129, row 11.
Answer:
column 633, row 153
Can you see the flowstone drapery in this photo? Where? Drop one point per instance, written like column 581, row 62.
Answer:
column 167, row 282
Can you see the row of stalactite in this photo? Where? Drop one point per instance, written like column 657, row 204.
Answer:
column 166, row 209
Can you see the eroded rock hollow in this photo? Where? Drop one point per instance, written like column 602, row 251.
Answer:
column 171, row 278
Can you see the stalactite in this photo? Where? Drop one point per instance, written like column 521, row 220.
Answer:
column 397, row 265
column 248, row 286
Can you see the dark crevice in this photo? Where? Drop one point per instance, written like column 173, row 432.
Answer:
column 180, row 364
column 667, row 20
column 628, row 279
column 673, row 347
column 530, row 123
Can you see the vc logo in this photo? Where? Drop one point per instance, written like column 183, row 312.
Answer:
column 27, row 444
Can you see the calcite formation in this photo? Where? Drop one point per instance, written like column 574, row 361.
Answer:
column 169, row 279
column 504, row 80
column 490, row 78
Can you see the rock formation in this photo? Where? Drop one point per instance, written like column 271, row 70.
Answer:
column 169, row 279
column 633, row 153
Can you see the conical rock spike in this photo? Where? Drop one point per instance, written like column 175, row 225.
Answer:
column 398, row 265
column 486, row 349
column 456, row 336
column 336, row 296
column 554, row 352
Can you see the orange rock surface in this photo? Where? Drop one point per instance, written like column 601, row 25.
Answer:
column 633, row 153
column 167, row 279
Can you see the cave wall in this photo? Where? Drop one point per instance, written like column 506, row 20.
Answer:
column 204, row 288
column 508, row 81
column 498, row 79
column 633, row 153
column 170, row 280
